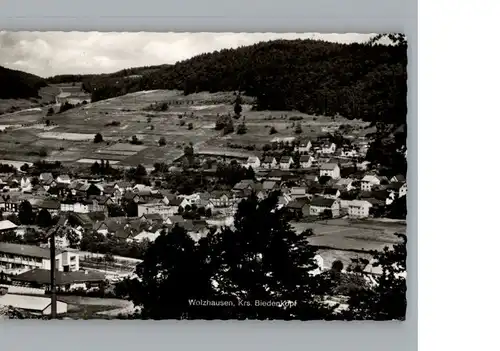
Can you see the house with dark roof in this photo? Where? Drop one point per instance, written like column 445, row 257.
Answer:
column 269, row 162
column 286, row 162
column 304, row 146
column 276, row 175
column 306, row 161
column 398, row 178
column 331, row 170
column 269, row 186
column 299, row 207
column 51, row 205
column 65, row 281
column 321, row 204
column 328, row 148
column 221, row 199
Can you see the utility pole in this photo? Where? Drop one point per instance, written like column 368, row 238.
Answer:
column 53, row 303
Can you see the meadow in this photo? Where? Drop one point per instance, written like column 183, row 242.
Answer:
column 189, row 120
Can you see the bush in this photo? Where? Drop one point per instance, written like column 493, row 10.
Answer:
column 298, row 129
column 273, row 131
column 98, row 138
column 242, row 129
column 42, row 152
column 162, row 141
column 190, row 126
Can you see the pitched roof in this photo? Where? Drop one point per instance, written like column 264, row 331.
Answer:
column 153, row 216
column 6, row 225
column 304, row 158
column 399, row 178
column 46, row 176
column 359, row 203
column 42, row 276
column 64, row 177
column 50, row 204
column 285, row 159
column 370, row 178
column 297, row 204
column 322, row 202
column 304, row 143
column 26, row 250
column 329, row 166
column 175, row 202
column 244, row 184
column 268, row 185
column 269, row 159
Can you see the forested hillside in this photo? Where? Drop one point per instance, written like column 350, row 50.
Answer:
column 124, row 73
column 19, row 85
column 365, row 81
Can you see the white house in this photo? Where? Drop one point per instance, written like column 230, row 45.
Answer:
column 331, row 170
column 345, row 183
column 33, row 304
column 286, row 162
column 359, row 209
column 304, row 146
column 328, row 148
column 160, row 208
column 306, row 161
column 348, row 153
column 368, row 182
column 319, row 205
column 269, row 162
column 17, row 258
column 64, row 179
column 253, row 161
column 25, row 184
column 403, row 190
column 193, row 199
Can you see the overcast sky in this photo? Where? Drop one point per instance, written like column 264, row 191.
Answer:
column 51, row 53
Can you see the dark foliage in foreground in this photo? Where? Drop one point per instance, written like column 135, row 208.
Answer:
column 257, row 260
column 365, row 81
column 19, row 85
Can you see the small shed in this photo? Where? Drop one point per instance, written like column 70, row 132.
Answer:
column 33, row 304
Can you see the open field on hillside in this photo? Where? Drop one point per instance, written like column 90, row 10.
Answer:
column 344, row 235
column 189, row 120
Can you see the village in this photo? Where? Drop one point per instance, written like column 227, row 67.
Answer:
column 108, row 215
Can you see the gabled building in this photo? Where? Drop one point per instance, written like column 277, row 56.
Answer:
column 286, row 162
column 328, row 148
column 252, row 161
column 304, row 146
column 321, row 204
column 331, row 170
column 369, row 181
column 269, row 162
column 299, row 207
column 306, row 161
column 359, row 209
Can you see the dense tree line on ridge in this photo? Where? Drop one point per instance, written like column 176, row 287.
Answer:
column 71, row 78
column 19, row 85
column 366, row 81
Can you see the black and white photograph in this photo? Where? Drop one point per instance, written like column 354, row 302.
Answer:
column 203, row 176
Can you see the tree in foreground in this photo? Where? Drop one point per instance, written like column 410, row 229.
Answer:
column 171, row 274
column 26, row 214
column 98, row 138
column 387, row 299
column 260, row 260
column 44, row 219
